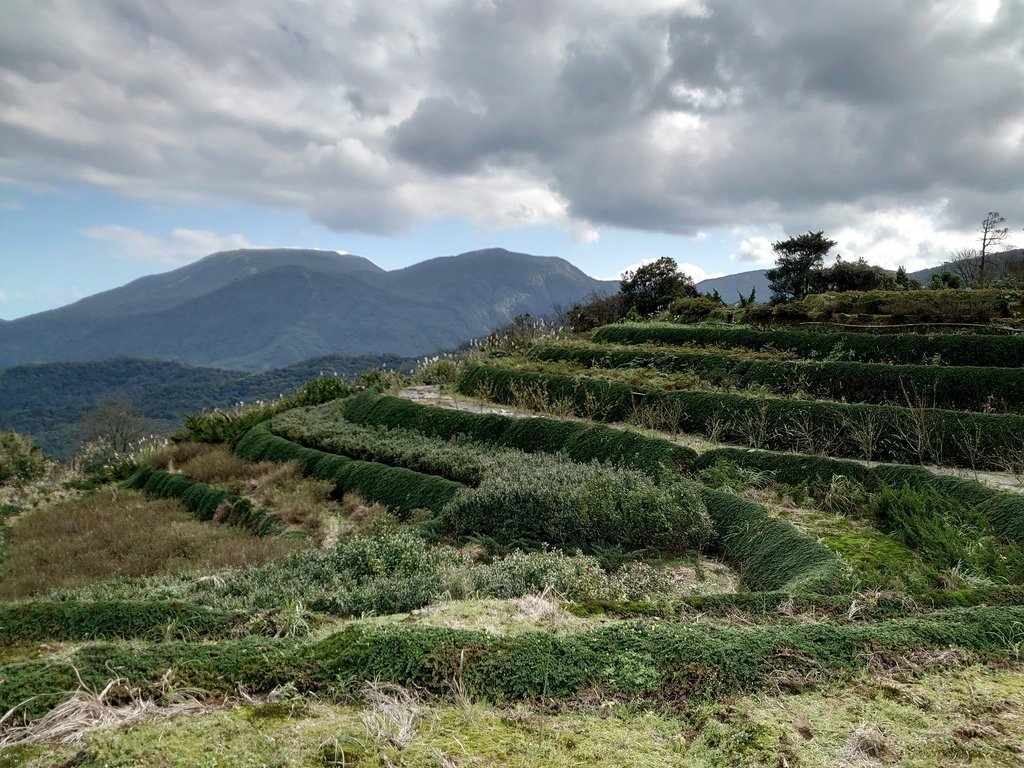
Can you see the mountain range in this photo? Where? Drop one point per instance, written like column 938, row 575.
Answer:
column 258, row 309
column 731, row 287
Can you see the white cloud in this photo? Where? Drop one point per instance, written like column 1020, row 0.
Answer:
column 656, row 115
column 695, row 271
column 755, row 251
column 584, row 233
column 630, row 268
column 181, row 247
column 3, row 296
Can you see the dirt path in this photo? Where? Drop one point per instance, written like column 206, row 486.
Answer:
column 432, row 395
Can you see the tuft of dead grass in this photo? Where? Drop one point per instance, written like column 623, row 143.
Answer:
column 117, row 705
column 391, row 714
column 114, row 532
column 868, row 745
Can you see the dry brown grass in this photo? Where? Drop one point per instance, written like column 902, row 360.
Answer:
column 118, row 705
column 216, row 464
column 115, row 532
column 173, row 455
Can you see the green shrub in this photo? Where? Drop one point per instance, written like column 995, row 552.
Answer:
column 578, row 441
column 399, row 489
column 205, row 501
column 670, row 661
column 912, row 348
column 895, row 307
column 622, row 448
column 219, row 426
column 579, row 505
column 693, row 310
column 1003, row 511
column 948, row 535
column 999, row 389
column 20, row 461
column 325, row 428
column 770, row 554
column 874, row 432
column 109, row 619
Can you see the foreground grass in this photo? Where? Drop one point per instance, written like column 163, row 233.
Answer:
column 113, row 533
column 943, row 717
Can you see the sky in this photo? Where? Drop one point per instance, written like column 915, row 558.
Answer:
column 137, row 136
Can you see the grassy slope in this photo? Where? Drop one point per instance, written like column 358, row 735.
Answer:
column 943, row 717
column 915, row 701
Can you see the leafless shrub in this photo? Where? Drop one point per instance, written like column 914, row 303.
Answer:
column 755, row 427
column 716, row 427
column 865, row 430
column 663, row 414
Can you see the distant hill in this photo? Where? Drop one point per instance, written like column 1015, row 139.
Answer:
column 731, row 287
column 47, row 400
column 259, row 309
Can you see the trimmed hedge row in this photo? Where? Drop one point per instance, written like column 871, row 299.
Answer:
column 206, row 501
column 109, row 619
column 579, row 441
column 782, row 606
column 876, row 432
column 770, row 554
column 880, row 307
column 744, row 530
column 913, row 348
column 1003, row 509
column 938, row 386
column 655, row 660
column 402, row 490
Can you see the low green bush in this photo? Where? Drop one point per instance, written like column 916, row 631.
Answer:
column 770, row 554
column 578, row 441
column 401, row 490
column 56, row 620
column 980, row 306
column 625, row 449
column 230, row 426
column 786, row 607
column 873, row 432
column 658, row 660
column 205, row 501
column 989, row 389
column 912, row 348
column 572, row 505
column 20, row 461
column 1003, row 510
column 949, row 535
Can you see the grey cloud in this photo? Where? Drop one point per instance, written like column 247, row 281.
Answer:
column 363, row 113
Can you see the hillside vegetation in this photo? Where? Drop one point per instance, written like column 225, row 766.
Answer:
column 656, row 544
column 48, row 400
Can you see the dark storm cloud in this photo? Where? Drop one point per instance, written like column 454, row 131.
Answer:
column 659, row 116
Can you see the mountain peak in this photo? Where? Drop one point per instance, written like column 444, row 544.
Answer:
column 259, row 308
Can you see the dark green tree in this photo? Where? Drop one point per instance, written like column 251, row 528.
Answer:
column 944, row 279
column 652, row 287
column 20, row 461
column 851, row 276
column 798, row 258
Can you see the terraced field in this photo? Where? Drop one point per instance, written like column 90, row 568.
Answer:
column 449, row 586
